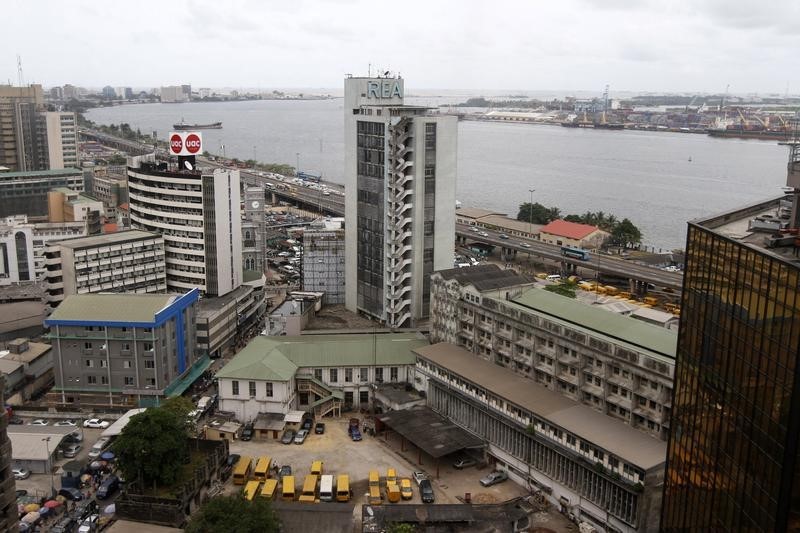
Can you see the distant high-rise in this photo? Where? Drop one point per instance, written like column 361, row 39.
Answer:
column 733, row 462
column 400, row 169
column 62, row 139
column 198, row 213
column 23, row 133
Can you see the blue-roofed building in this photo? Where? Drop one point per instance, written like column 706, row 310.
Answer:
column 124, row 349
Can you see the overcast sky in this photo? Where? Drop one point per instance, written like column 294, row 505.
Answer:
column 638, row 45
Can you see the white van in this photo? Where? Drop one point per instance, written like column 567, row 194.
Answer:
column 553, row 277
column 326, row 488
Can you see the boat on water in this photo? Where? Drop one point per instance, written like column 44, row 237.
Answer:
column 609, row 126
column 184, row 126
column 737, row 133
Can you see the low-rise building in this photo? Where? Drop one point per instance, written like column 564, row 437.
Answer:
column 127, row 261
column 115, row 350
column 316, row 373
column 565, row 233
column 223, row 321
column 293, row 315
column 28, row 369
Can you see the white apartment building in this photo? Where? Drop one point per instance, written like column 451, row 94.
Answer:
column 62, row 139
column 198, row 214
column 400, row 166
column 128, row 261
column 173, row 94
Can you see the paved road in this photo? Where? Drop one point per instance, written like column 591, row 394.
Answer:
column 598, row 262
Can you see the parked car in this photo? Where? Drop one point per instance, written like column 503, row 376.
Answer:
column 493, row 478
column 355, row 434
column 418, row 476
column 21, row 493
column 75, row 436
column 285, row 470
column 525, row 244
column 464, row 462
column 288, row 436
column 405, row 489
column 66, row 525
column 229, row 464
column 247, row 432
column 319, row 429
column 39, row 422
column 300, row 438
column 71, row 494
column 426, row 491
column 66, row 423
column 21, row 473
column 71, row 450
column 107, row 487
column 89, row 524
column 99, row 447
column 308, row 423
column 503, row 236
column 95, row 423
column 16, row 420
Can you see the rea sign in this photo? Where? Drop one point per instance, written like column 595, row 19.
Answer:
column 185, row 143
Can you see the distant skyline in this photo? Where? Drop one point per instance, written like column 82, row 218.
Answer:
column 571, row 45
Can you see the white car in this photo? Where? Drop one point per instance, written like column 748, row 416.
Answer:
column 89, row 524
column 65, row 423
column 21, row 473
column 96, row 423
column 39, row 422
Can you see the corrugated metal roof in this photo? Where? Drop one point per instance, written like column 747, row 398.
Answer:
column 107, row 239
column 486, row 277
column 570, row 230
column 635, row 332
column 112, row 307
column 277, row 358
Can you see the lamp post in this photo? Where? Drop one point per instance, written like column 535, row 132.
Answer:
column 49, row 464
column 530, row 214
column 297, row 168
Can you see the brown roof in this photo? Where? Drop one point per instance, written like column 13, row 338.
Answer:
column 570, row 230
column 486, row 277
column 475, row 212
column 510, row 223
column 601, row 430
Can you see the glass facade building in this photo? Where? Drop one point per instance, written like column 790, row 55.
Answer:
column 732, row 460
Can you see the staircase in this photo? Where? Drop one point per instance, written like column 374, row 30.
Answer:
column 330, row 400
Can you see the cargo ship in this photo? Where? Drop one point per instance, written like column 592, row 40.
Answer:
column 184, row 126
column 764, row 135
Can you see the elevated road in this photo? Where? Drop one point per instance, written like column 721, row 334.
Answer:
column 604, row 264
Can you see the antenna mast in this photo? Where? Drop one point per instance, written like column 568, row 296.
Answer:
column 20, row 77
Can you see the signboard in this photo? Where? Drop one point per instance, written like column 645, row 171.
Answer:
column 389, row 88
column 185, row 143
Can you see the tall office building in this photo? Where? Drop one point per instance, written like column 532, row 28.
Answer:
column 197, row 212
column 400, row 164
column 732, row 461
column 62, row 139
column 23, row 134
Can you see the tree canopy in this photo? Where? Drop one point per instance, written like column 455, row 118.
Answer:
column 623, row 233
column 537, row 213
column 234, row 513
column 626, row 234
column 153, row 447
column 566, row 288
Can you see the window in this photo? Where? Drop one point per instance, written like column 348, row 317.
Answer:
column 92, row 380
column 235, row 388
column 103, row 363
column 252, row 388
column 269, row 389
column 128, row 380
column 598, row 454
column 571, row 440
column 104, row 380
column 613, row 462
column 151, row 382
column 334, row 375
column 87, row 345
column 127, row 364
column 348, row 375
column 584, row 447
column 90, row 363
column 378, row 374
column 318, row 374
column 364, row 374
column 393, row 373
column 148, row 346
column 363, row 397
column 126, row 346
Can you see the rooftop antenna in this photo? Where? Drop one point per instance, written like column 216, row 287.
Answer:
column 369, row 70
column 20, row 77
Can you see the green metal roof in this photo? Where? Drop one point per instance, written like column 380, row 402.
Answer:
column 622, row 328
column 251, row 275
column 111, row 307
column 281, row 356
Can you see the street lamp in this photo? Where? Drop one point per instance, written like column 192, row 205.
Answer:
column 297, row 168
column 530, row 214
column 46, row 441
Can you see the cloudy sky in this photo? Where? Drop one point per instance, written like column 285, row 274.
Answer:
column 636, row 45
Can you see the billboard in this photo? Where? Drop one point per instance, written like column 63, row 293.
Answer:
column 185, row 143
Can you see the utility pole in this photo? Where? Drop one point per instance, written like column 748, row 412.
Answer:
column 530, row 214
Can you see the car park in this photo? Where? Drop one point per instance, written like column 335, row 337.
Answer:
column 426, row 491
column 65, row 423
column 464, row 462
column 71, row 494
column 39, row 422
column 71, row 450
column 95, row 423
column 21, row 473
column 300, row 438
column 319, row 429
column 493, row 478
column 288, row 436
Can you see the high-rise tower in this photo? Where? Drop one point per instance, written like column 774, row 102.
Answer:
column 400, row 174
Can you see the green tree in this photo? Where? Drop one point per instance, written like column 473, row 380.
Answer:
column 566, row 288
column 537, row 213
column 152, row 446
column 626, row 234
column 205, row 153
column 234, row 513
column 117, row 159
column 399, row 527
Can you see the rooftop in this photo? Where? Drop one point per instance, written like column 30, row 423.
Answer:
column 570, row 230
column 10, row 176
column 511, row 224
column 107, row 239
column 211, row 305
column 111, row 307
column 486, row 277
column 34, row 351
column 620, row 328
column 430, row 431
column 277, row 358
column 116, row 428
column 608, row 433
column 28, row 442
column 475, row 212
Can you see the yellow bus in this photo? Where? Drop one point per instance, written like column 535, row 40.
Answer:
column 242, row 470
column 261, row 472
column 374, row 487
column 309, row 494
column 287, row 489
column 316, row 468
column 342, row 488
column 268, row 490
column 251, row 489
column 391, row 476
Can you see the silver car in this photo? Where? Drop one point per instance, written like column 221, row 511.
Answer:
column 71, row 450
column 300, row 438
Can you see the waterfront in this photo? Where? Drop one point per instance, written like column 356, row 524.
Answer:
column 645, row 176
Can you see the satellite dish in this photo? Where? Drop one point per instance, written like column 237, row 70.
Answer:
column 188, row 165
